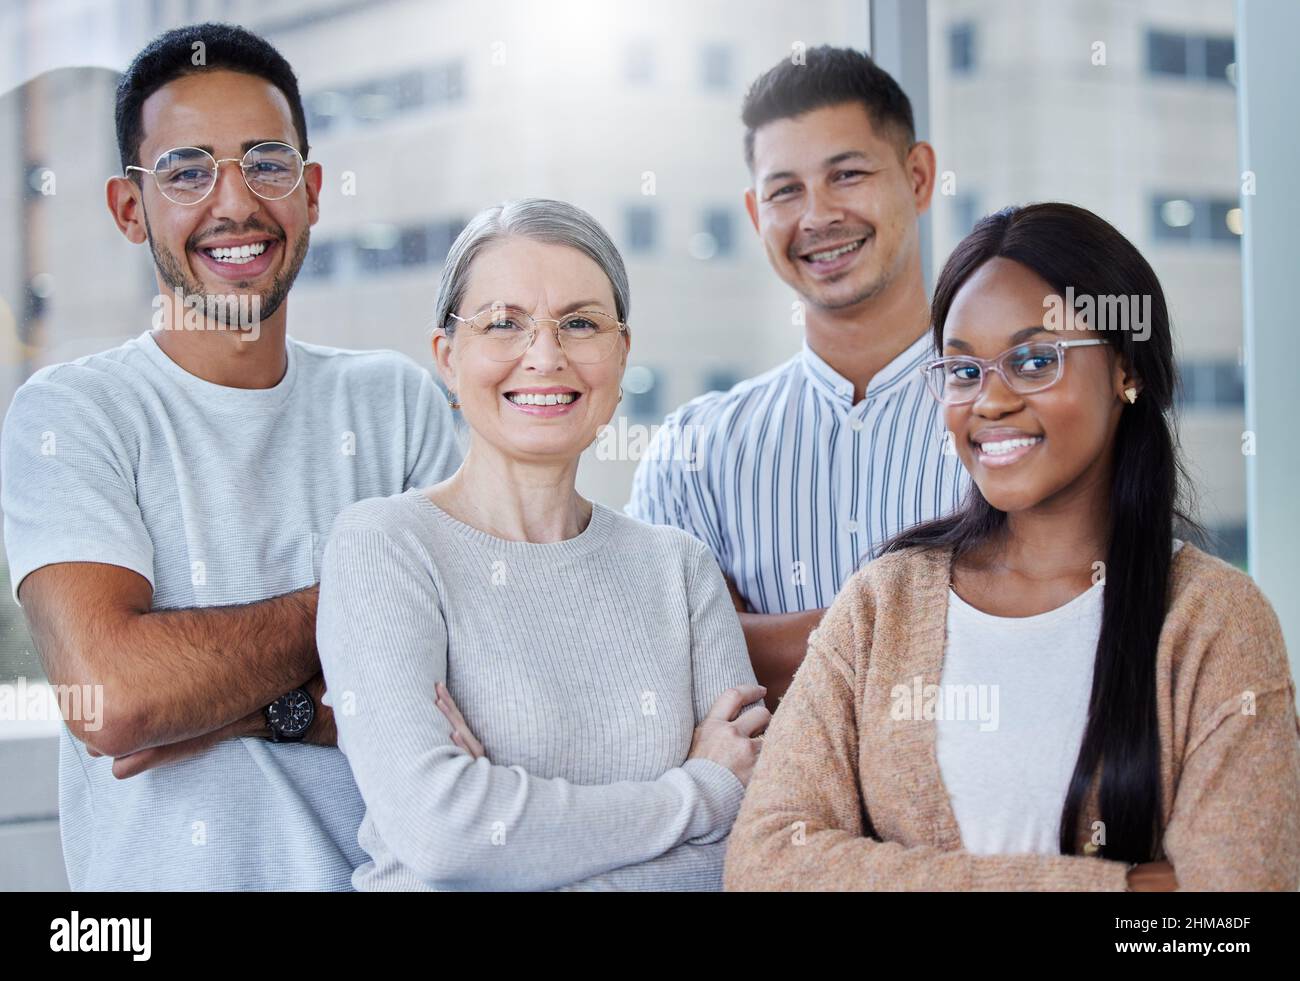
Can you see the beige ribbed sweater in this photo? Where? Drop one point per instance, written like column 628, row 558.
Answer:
column 1230, row 779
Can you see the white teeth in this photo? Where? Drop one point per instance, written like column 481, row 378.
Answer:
column 834, row 253
column 553, row 398
column 238, row 254
column 1007, row 445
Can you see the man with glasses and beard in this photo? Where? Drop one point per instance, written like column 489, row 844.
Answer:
column 166, row 502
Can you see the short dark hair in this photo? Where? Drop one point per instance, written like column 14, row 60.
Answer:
column 171, row 56
column 828, row 76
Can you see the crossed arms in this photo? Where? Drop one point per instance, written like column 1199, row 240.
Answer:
column 175, row 682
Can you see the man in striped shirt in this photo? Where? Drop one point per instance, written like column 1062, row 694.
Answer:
column 793, row 477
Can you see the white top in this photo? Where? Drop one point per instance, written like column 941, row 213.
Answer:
column 1010, row 714
column 1019, row 687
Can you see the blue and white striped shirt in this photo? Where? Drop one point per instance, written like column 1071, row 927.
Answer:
column 791, row 484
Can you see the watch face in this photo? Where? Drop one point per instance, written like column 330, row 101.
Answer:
column 291, row 714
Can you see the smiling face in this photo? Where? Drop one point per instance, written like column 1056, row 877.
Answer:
column 232, row 242
column 541, row 407
column 835, row 206
column 1025, row 451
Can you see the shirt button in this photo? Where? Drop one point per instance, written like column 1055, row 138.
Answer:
column 856, row 424
column 851, row 527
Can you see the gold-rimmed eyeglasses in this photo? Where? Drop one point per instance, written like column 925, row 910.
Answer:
column 585, row 336
column 187, row 174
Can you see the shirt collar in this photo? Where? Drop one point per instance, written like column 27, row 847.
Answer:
column 904, row 368
column 837, row 388
column 826, row 379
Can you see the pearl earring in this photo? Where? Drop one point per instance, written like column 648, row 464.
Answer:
column 1131, row 394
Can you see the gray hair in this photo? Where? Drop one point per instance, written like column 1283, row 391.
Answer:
column 539, row 219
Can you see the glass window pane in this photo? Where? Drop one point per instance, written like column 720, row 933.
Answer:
column 717, row 67
column 1173, row 219
column 718, row 225
column 320, row 260
column 1222, row 222
column 642, row 393
column 961, row 48
column 640, row 231
column 414, row 247
column 1219, row 55
column 1166, row 53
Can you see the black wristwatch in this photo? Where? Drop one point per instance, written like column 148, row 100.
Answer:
column 290, row 716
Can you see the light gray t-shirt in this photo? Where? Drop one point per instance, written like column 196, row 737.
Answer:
column 217, row 496
column 583, row 666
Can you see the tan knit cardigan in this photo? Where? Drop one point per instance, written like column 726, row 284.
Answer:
column 834, row 759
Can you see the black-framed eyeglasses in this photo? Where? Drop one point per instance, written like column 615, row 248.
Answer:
column 585, row 336
column 187, row 174
column 1025, row 369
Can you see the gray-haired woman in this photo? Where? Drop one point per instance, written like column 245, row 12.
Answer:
column 534, row 691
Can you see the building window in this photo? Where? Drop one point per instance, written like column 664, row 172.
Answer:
column 1199, row 57
column 641, row 393
column 639, row 63
column 1166, row 53
column 639, row 221
column 447, row 83
column 1195, row 219
column 413, row 246
column 410, row 90
column 720, row 380
column 375, row 101
column 374, row 258
column 1220, row 59
column 1225, row 221
column 441, row 236
column 716, row 67
column 384, row 248
column 324, row 111
column 380, row 99
column 321, row 262
column 965, row 213
column 1211, row 385
column 719, row 229
column 961, row 49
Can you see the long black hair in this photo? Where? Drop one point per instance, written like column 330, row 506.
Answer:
column 1069, row 246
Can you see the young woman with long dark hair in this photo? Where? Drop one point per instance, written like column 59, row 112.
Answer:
column 1047, row 689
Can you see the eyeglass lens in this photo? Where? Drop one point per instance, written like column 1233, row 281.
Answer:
column 187, row 174
column 1028, row 368
column 586, row 336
